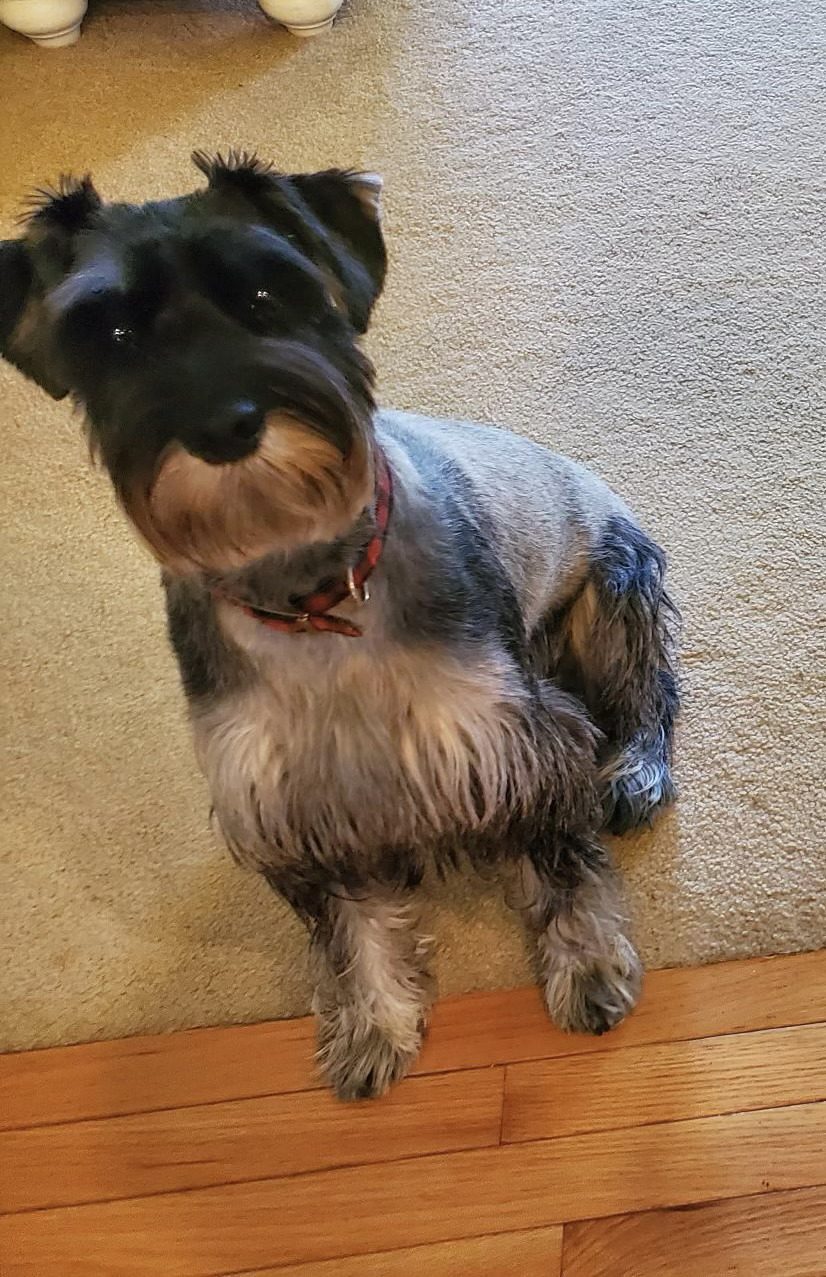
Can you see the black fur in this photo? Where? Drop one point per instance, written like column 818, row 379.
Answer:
column 16, row 274
column 627, row 676
column 635, row 686
column 162, row 317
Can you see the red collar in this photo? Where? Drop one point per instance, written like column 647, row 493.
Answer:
column 315, row 611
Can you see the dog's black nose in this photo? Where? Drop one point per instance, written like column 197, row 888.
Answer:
column 247, row 419
column 231, row 433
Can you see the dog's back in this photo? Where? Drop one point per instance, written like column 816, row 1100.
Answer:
column 545, row 512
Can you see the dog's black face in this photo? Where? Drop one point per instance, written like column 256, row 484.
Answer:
column 212, row 342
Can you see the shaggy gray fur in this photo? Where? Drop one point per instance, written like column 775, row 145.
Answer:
column 515, row 590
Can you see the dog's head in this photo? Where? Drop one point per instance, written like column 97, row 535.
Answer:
column 212, row 342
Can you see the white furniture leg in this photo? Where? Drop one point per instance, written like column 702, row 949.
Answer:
column 52, row 23
column 301, row 17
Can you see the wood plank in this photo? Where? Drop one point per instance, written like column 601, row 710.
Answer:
column 362, row 1209
column 535, row 1253
column 200, row 1066
column 677, row 1004
column 665, row 1083
column 779, row 1233
column 136, row 1075
column 245, row 1139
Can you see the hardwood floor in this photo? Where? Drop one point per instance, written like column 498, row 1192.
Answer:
column 691, row 1142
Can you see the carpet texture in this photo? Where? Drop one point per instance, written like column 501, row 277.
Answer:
column 606, row 223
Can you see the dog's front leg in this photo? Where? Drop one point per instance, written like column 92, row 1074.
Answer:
column 589, row 969
column 371, row 985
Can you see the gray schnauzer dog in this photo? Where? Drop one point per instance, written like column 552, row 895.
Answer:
column 403, row 642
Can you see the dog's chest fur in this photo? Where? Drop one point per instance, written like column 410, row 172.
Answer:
column 350, row 747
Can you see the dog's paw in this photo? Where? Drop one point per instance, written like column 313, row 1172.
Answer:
column 636, row 785
column 594, row 995
column 360, row 1060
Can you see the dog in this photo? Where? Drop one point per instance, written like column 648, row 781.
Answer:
column 403, row 642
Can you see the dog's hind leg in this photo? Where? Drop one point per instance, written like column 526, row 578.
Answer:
column 565, row 881
column 619, row 656
column 371, row 986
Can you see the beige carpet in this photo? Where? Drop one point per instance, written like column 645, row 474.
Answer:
column 607, row 229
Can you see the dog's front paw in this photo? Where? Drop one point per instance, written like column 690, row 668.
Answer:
column 361, row 1060
column 595, row 994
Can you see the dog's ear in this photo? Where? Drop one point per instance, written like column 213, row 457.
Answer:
column 333, row 215
column 347, row 204
column 53, row 217
column 15, row 285
column 58, row 212
column 23, row 340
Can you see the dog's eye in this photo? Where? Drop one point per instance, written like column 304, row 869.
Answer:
column 122, row 335
column 264, row 308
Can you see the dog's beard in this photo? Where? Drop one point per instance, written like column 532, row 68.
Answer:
column 296, row 489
